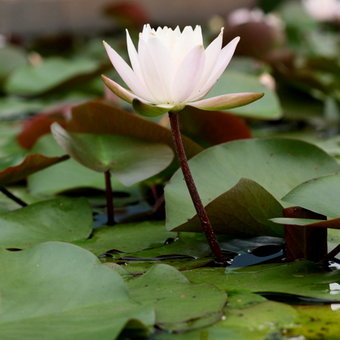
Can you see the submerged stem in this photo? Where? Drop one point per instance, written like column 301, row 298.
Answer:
column 109, row 199
column 201, row 213
column 13, row 197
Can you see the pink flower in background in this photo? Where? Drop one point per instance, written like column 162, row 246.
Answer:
column 323, row 10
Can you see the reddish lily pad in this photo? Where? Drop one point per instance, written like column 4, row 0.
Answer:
column 212, row 127
column 39, row 125
column 31, row 164
column 99, row 117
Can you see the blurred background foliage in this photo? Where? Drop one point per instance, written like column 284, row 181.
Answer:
column 51, row 58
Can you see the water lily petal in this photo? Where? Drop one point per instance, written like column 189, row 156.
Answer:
column 226, row 101
column 212, row 53
column 221, row 64
column 134, row 59
column 157, row 67
column 148, row 110
column 188, row 39
column 120, row 91
column 187, row 74
column 125, row 72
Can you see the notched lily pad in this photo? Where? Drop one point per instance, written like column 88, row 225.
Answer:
column 278, row 165
column 65, row 176
column 244, row 210
column 129, row 159
column 100, row 117
column 261, row 321
column 178, row 303
column 61, row 219
column 57, row 291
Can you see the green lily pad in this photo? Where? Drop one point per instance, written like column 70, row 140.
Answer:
column 295, row 221
column 321, row 195
column 29, row 165
column 267, row 107
column 31, row 80
column 61, row 219
column 278, row 165
column 99, row 117
column 60, row 291
column 244, row 210
column 129, row 159
column 14, row 107
column 64, row 176
column 10, row 58
column 240, row 299
column 131, row 237
column 177, row 301
column 298, row 278
column 330, row 224
column 259, row 322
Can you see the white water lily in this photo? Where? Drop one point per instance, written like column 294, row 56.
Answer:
column 171, row 69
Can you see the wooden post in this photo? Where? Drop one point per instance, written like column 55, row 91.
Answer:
column 309, row 243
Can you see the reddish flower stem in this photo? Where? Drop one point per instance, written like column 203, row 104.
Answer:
column 201, row 213
column 109, row 199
